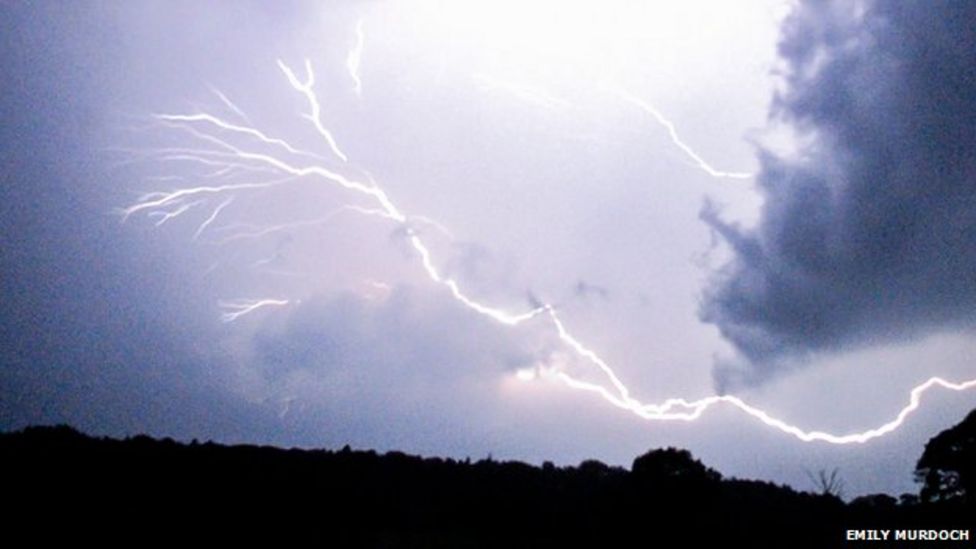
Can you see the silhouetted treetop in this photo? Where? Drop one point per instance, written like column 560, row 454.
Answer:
column 672, row 464
column 947, row 468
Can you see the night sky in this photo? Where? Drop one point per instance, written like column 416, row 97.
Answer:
column 775, row 201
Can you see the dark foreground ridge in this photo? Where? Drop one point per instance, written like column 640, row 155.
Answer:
column 98, row 486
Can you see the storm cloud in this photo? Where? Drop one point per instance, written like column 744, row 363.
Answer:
column 867, row 235
column 118, row 328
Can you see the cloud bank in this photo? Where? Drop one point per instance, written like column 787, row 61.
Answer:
column 869, row 234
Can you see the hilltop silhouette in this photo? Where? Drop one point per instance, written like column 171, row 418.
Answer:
column 60, row 477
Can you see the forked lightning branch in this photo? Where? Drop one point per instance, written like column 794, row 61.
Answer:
column 232, row 147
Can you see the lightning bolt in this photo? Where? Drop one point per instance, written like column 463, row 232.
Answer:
column 673, row 133
column 230, row 104
column 541, row 97
column 230, row 160
column 355, row 58
column 240, row 307
column 315, row 112
column 206, row 222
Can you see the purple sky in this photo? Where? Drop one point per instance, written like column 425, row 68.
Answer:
column 569, row 154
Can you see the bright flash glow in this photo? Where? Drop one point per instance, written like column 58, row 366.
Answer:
column 526, row 374
column 585, row 33
column 231, row 149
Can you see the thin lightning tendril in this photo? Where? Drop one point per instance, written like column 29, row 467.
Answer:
column 525, row 92
column 313, row 103
column 541, row 97
column 238, row 308
column 355, row 59
column 228, row 158
column 673, row 133
column 230, row 104
column 206, row 223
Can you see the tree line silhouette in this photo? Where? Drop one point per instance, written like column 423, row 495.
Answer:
column 61, row 477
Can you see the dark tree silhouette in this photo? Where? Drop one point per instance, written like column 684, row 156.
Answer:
column 60, row 480
column 881, row 502
column 828, row 484
column 672, row 464
column 947, row 468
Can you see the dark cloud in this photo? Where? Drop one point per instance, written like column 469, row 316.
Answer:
column 412, row 370
column 585, row 289
column 870, row 233
column 397, row 340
